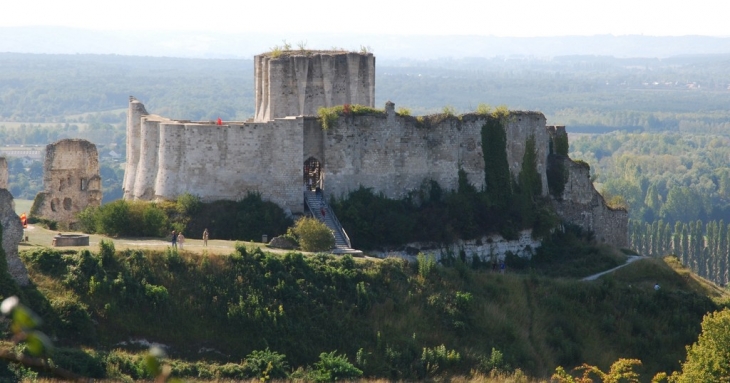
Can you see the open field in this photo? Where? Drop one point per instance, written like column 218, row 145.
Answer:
column 22, row 206
column 39, row 236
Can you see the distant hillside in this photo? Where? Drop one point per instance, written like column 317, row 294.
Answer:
column 57, row 40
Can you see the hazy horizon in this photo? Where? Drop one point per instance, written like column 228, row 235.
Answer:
column 517, row 18
column 67, row 40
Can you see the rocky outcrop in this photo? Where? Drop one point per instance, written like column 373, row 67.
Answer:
column 487, row 249
column 11, row 237
column 282, row 243
column 3, row 173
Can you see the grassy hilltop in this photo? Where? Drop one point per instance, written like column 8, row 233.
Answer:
column 218, row 314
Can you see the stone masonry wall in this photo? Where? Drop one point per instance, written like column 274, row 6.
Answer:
column 12, row 235
column 297, row 84
column 218, row 161
column 71, row 181
column 386, row 152
column 394, row 154
column 581, row 204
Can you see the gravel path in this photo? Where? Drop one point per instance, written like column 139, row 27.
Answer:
column 632, row 258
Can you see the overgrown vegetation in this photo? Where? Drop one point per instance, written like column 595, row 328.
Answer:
column 328, row 116
column 435, row 215
column 246, row 219
column 268, row 315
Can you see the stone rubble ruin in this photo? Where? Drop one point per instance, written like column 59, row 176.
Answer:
column 71, row 182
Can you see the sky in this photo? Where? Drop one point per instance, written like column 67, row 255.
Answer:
column 514, row 18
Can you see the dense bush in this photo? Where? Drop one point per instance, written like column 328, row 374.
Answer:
column 247, row 219
column 125, row 218
column 313, row 235
column 433, row 214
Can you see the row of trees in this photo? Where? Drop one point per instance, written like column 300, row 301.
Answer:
column 704, row 247
column 668, row 176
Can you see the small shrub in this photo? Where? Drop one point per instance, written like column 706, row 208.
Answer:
column 266, row 365
column 87, row 219
column 449, row 111
column 484, row 109
column 313, row 235
column 188, row 204
column 403, row 111
column 113, row 218
column 45, row 260
column 426, row 264
column 433, row 359
column 332, row 367
column 156, row 295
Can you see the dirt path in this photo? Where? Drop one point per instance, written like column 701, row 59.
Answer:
column 632, row 258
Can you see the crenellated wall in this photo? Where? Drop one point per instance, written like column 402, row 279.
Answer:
column 298, row 83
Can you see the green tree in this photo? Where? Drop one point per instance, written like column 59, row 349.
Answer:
column 530, row 184
column 497, row 177
column 708, row 359
column 114, row 218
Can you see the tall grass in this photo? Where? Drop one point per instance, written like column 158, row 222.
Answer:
column 382, row 313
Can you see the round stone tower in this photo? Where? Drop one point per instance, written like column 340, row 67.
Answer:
column 296, row 83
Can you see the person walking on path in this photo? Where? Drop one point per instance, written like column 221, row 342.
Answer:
column 501, row 267
column 174, row 240
column 205, row 237
column 181, row 240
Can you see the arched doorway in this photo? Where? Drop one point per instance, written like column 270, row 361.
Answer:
column 312, row 174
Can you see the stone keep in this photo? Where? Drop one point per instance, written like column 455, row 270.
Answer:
column 71, row 181
column 11, row 237
column 298, row 83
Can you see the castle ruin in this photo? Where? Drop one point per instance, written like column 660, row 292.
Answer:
column 71, row 181
column 285, row 148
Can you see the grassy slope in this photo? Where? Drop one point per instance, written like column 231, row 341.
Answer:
column 302, row 306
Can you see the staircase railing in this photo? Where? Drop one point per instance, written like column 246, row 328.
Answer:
column 338, row 225
column 335, row 221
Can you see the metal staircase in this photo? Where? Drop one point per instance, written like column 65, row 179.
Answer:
column 317, row 205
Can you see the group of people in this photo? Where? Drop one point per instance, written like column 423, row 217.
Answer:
column 178, row 239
